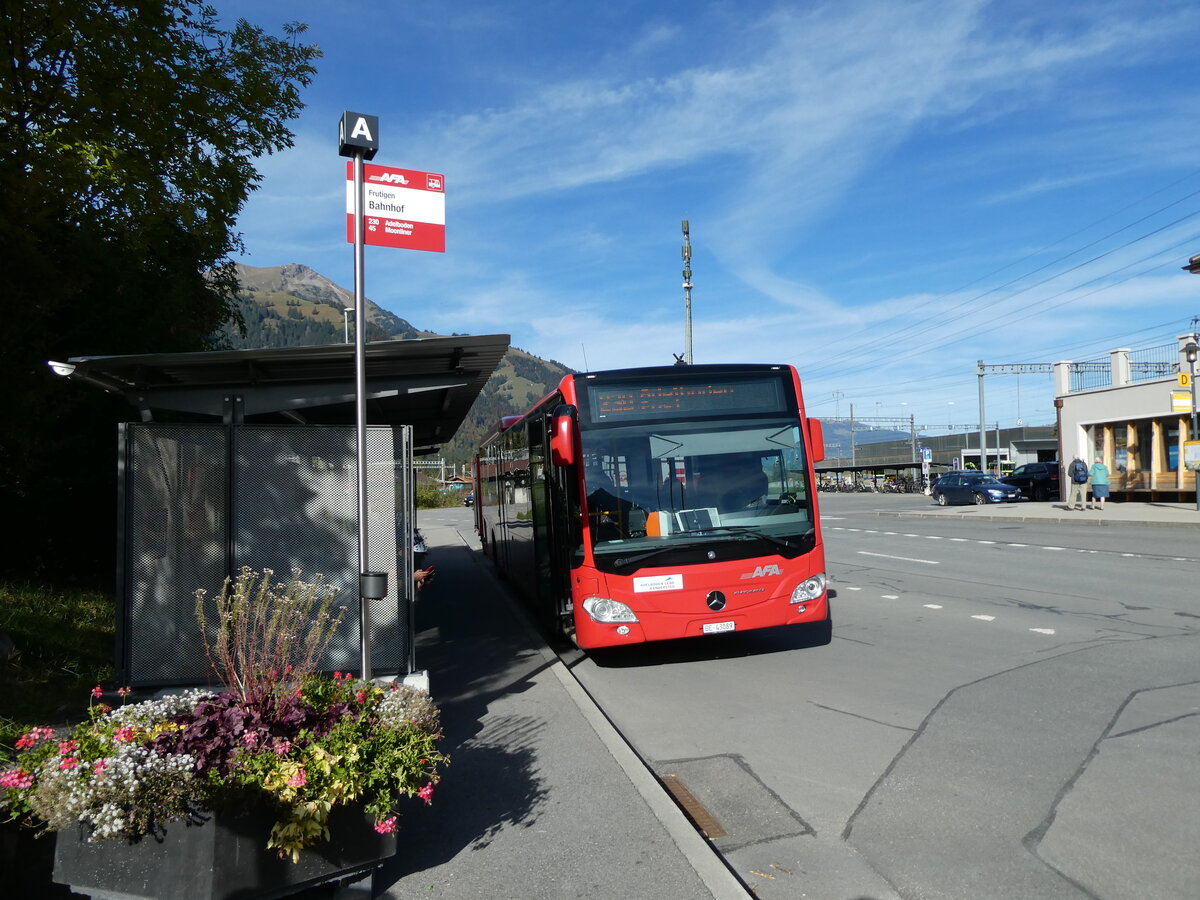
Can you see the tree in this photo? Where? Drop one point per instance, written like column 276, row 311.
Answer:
column 128, row 135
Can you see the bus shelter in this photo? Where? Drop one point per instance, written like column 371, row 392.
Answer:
column 248, row 458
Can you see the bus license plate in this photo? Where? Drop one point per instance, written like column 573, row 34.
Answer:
column 718, row 627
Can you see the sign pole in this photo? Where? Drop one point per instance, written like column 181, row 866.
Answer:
column 360, row 420
column 358, row 137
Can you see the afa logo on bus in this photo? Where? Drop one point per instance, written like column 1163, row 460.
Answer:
column 763, row 571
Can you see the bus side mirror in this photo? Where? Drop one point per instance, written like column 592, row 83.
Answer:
column 816, row 439
column 562, row 435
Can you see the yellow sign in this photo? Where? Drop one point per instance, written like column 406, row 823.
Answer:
column 1181, row 402
column 1185, row 379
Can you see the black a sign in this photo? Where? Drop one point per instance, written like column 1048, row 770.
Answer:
column 358, row 133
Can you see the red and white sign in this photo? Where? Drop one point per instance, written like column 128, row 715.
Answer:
column 401, row 208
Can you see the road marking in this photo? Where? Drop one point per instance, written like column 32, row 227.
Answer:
column 1042, row 630
column 928, row 562
column 932, row 606
column 851, row 588
column 890, row 596
column 985, row 618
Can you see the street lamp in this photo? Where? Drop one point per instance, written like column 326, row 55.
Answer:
column 1191, row 350
column 346, row 321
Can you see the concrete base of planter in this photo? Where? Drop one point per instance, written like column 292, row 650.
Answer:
column 222, row 858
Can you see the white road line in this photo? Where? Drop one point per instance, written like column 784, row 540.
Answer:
column 851, row 588
column 1042, row 630
column 928, row 562
column 932, row 606
column 985, row 618
column 890, row 596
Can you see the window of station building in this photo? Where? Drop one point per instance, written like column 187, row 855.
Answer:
column 1120, row 449
column 1145, row 446
column 1170, row 432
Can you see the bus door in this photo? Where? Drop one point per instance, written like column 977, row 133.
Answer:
column 552, row 488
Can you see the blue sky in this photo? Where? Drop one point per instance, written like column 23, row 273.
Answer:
column 879, row 193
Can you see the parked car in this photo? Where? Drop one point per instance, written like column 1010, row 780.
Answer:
column 1037, row 480
column 469, row 500
column 973, row 487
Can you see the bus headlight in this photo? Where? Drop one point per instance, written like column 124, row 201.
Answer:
column 606, row 610
column 809, row 589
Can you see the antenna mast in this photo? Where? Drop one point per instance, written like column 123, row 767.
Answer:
column 687, row 295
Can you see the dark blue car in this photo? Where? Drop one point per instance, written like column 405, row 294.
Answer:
column 973, row 487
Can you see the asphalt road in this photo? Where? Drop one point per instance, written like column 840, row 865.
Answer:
column 1006, row 710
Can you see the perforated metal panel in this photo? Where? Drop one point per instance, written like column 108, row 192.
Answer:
column 201, row 501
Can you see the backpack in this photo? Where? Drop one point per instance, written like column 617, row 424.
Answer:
column 1079, row 472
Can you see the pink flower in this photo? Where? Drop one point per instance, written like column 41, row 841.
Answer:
column 25, row 741
column 387, row 826
column 282, row 747
column 97, row 692
column 125, row 691
column 66, row 748
column 300, row 779
column 250, row 738
column 69, row 762
column 16, row 778
column 426, row 793
column 361, row 697
column 100, row 766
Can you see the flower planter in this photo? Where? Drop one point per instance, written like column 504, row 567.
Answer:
column 225, row 856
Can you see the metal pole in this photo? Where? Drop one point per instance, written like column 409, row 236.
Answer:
column 853, row 451
column 360, row 420
column 687, row 294
column 1193, row 436
column 982, row 426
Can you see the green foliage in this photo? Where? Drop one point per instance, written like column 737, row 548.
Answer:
column 63, row 644
column 430, row 496
column 127, row 148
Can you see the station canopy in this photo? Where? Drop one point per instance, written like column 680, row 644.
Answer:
column 428, row 383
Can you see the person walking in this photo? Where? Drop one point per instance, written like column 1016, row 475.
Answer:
column 1077, row 471
column 1098, row 474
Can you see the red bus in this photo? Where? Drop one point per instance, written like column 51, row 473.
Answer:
column 655, row 503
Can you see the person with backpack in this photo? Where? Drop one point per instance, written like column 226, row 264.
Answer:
column 1077, row 472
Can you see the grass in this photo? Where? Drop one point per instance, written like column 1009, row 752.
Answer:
column 62, row 648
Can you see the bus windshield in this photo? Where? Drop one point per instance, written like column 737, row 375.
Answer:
column 685, row 484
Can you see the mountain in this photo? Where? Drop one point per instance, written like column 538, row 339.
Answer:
column 294, row 306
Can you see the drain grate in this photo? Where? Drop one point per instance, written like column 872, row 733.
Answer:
column 692, row 808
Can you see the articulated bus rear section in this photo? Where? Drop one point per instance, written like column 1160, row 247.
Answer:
column 648, row 504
